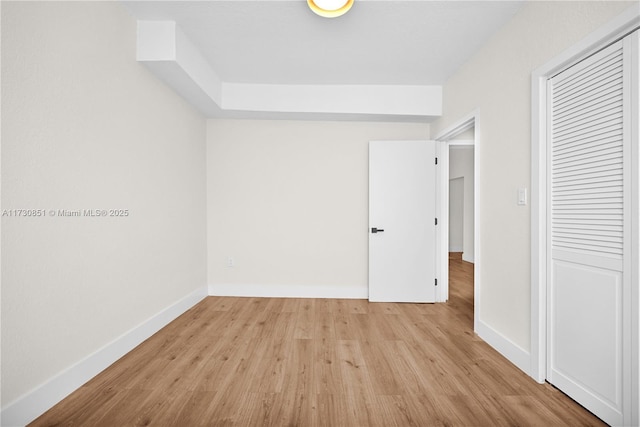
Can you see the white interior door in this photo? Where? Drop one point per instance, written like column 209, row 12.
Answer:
column 402, row 237
column 588, row 317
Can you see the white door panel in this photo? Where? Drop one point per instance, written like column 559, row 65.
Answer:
column 402, row 203
column 587, row 299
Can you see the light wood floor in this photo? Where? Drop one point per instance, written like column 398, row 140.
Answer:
column 306, row 362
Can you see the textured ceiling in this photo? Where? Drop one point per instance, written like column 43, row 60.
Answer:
column 376, row 43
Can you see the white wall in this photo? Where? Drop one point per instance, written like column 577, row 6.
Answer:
column 456, row 214
column 461, row 166
column 497, row 83
column 86, row 127
column 289, row 202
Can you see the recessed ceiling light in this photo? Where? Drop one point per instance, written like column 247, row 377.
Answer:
column 330, row 8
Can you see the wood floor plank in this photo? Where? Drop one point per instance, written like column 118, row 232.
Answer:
column 410, row 375
column 197, row 409
column 378, row 361
column 324, row 328
column 329, row 410
column 363, row 410
column 319, row 362
column 305, row 321
column 355, row 375
column 299, row 375
column 327, row 373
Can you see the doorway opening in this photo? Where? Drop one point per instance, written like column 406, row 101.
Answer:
column 458, row 186
column 461, row 220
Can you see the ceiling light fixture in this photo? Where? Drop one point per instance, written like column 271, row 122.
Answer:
column 330, row 8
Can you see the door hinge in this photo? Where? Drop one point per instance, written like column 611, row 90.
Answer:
column 436, row 221
column 436, row 160
column 436, row 282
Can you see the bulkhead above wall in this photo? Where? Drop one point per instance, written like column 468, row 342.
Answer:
column 383, row 61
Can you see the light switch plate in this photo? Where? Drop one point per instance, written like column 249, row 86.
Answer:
column 522, row 196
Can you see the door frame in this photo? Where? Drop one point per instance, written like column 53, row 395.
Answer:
column 614, row 30
column 443, row 141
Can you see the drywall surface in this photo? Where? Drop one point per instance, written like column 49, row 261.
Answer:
column 288, row 201
column 461, row 166
column 85, row 129
column 496, row 83
column 456, row 214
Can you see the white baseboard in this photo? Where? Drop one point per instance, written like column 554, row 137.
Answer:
column 290, row 291
column 514, row 353
column 455, row 249
column 36, row 402
column 467, row 258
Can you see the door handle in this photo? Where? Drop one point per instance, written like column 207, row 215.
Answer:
column 376, row 230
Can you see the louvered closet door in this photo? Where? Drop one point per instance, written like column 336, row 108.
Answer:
column 587, row 227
